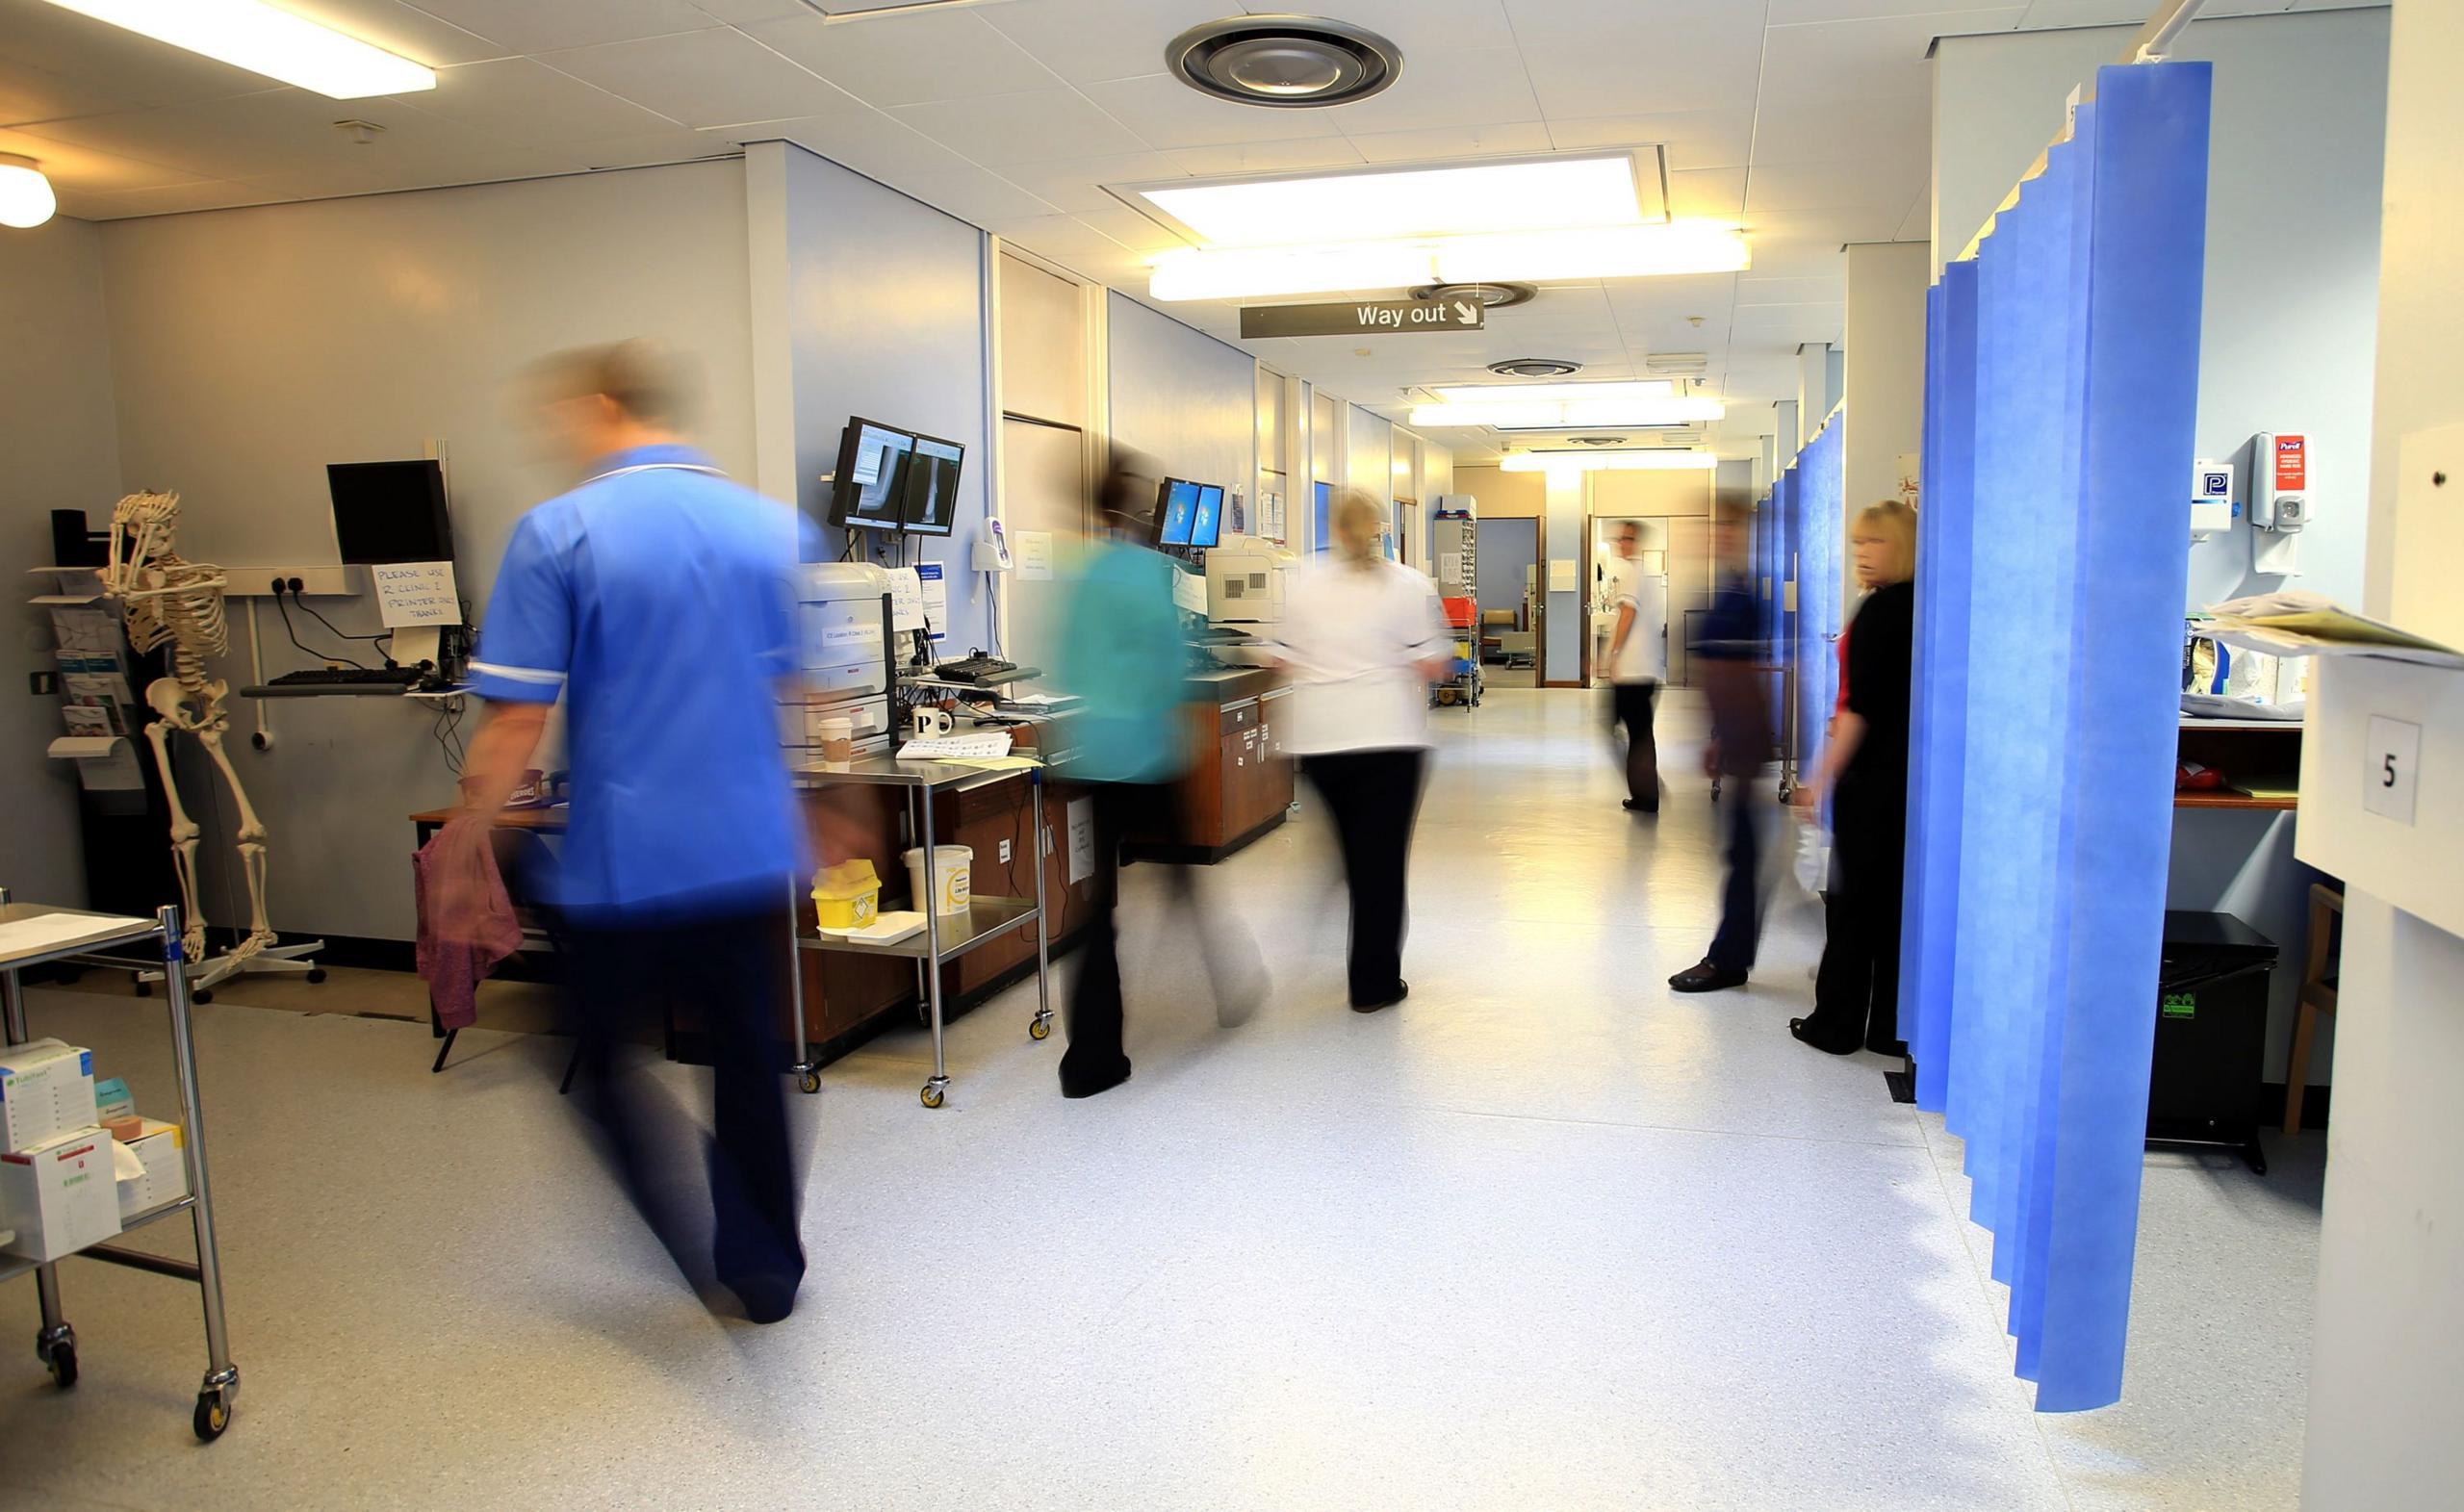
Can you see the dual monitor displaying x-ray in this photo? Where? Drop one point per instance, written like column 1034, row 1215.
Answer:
column 892, row 479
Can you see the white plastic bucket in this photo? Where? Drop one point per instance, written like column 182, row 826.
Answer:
column 954, row 867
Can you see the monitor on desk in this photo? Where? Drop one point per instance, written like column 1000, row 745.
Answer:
column 1179, row 512
column 868, row 490
column 930, row 495
column 1207, row 525
column 390, row 512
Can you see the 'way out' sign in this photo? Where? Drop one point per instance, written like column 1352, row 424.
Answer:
column 1364, row 317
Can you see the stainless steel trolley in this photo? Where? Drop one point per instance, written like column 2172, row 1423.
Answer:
column 944, row 939
column 56, row 1343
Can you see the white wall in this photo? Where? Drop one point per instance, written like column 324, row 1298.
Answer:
column 2290, row 300
column 250, row 347
column 1884, row 372
column 2386, row 1383
column 1369, row 452
column 2287, row 338
column 60, row 450
column 1182, row 397
column 886, row 318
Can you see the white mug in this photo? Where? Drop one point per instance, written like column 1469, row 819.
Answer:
column 929, row 723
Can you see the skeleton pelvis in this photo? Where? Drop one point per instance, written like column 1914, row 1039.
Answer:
column 171, row 702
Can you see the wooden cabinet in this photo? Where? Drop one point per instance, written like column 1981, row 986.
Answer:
column 1240, row 778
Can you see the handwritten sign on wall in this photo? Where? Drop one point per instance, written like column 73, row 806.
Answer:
column 416, row 593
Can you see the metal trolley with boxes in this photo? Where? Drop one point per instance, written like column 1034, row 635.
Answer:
column 63, row 1192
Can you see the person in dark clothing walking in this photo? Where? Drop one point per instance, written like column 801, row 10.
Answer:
column 1864, row 774
column 1726, row 648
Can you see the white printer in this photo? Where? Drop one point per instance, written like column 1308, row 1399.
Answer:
column 1245, row 580
column 842, row 629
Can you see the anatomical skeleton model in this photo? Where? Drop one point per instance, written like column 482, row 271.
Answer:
column 172, row 601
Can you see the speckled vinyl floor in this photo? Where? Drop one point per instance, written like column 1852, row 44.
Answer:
column 1544, row 1237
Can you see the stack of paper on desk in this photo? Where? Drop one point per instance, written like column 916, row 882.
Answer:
column 2294, row 622
column 962, row 748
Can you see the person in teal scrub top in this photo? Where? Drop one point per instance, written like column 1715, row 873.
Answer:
column 1123, row 656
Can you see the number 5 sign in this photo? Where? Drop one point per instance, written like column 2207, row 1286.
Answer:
column 2392, row 758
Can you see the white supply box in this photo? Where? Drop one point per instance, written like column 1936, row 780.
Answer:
column 60, row 1197
column 46, row 1090
column 160, row 1149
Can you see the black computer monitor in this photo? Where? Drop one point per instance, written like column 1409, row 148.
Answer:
column 930, row 503
column 1208, row 524
column 389, row 511
column 868, row 491
column 1178, row 514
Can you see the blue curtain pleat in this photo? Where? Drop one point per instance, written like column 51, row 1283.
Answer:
column 2061, row 400
column 1823, row 483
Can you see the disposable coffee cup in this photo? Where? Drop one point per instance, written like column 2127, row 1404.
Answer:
column 838, row 740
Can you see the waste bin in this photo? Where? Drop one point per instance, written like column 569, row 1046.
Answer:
column 2211, row 1034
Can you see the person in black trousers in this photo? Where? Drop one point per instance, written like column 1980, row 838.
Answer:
column 1865, row 773
column 1363, row 637
column 1726, row 645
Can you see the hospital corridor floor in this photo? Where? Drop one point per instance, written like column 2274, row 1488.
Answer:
column 1546, row 1236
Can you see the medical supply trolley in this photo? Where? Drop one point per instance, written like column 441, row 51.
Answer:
column 56, row 1343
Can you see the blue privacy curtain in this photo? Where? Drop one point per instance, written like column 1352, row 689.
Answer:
column 1823, row 493
column 2062, row 390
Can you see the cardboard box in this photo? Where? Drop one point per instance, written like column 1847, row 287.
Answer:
column 112, row 1101
column 159, row 1148
column 46, row 1090
column 59, row 1197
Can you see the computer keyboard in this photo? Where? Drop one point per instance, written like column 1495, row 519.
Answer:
column 356, row 680
column 978, row 667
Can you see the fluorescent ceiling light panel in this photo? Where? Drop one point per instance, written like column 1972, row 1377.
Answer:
column 1564, row 415
column 1554, row 392
column 1486, row 198
column 1610, row 462
column 251, row 35
column 1241, row 272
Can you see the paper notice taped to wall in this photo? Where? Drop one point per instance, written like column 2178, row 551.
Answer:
column 416, row 593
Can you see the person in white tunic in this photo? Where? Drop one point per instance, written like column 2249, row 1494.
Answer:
column 1363, row 638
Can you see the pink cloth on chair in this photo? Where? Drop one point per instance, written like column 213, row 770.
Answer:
column 460, row 943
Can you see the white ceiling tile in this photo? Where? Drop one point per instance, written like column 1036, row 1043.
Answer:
column 1880, row 59
column 1130, row 229
column 1780, row 254
column 746, row 13
column 1512, row 138
column 1627, row 24
column 1720, row 139
column 677, row 145
column 280, row 131
column 1043, row 125
column 409, row 31
column 976, row 196
column 1833, row 225
column 1268, row 157
column 1707, row 194
column 1087, row 41
column 531, row 26
column 1423, row 26
column 30, row 92
column 858, row 136
column 1751, row 291
column 1786, row 130
column 1796, row 13
column 528, row 101
column 1076, row 184
column 1444, row 89
column 1576, row 83
column 1055, row 237
column 910, row 59
column 711, row 78
column 1861, row 184
column 92, row 169
column 172, row 200
column 107, row 61
column 1169, row 113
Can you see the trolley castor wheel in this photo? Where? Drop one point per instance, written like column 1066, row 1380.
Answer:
column 144, row 988
column 212, row 1414
column 202, row 995
column 316, row 974
column 808, row 1080
column 932, row 1093
column 1039, row 1027
column 63, row 1361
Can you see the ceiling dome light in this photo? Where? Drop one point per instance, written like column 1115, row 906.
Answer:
column 1534, row 368
column 26, row 200
column 1497, row 297
column 1596, row 441
column 1286, row 61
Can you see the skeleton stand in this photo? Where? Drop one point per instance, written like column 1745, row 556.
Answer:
column 175, row 602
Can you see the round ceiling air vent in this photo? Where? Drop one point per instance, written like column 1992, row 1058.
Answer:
column 1597, row 440
column 1288, row 62
column 1497, row 297
column 1534, row 368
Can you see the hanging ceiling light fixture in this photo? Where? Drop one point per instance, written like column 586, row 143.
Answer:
column 1284, row 61
column 26, row 200
column 266, row 39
